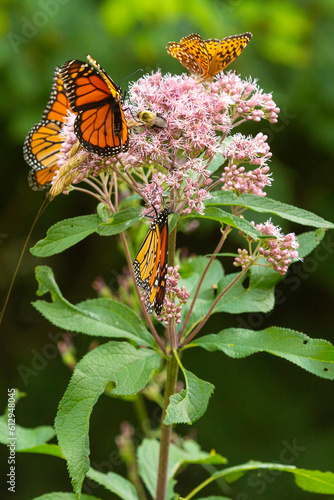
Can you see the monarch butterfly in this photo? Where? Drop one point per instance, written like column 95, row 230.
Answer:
column 100, row 125
column 42, row 144
column 205, row 58
column 151, row 263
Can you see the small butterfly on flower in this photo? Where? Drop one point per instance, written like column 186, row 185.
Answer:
column 205, row 58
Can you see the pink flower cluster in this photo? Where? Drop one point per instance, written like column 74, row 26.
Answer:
column 153, row 193
column 247, row 100
column 237, row 179
column 243, row 258
column 70, row 138
column 173, row 291
column 199, row 124
column 252, row 150
column 199, row 119
column 279, row 251
column 255, row 151
column 92, row 164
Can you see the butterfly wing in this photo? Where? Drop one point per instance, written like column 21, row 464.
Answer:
column 100, row 125
column 43, row 143
column 41, row 150
column 147, row 265
column 192, row 54
column 151, row 263
column 161, row 289
column 224, row 52
column 58, row 104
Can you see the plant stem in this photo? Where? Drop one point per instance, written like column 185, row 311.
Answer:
column 171, row 262
column 172, row 368
column 199, row 487
column 142, row 415
column 208, row 314
column 213, row 256
column 166, row 430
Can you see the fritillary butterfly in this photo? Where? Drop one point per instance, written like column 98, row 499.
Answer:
column 205, row 58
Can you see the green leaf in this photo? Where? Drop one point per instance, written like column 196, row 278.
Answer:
column 173, row 221
column 120, row 221
column 315, row 481
column 314, row 355
column 114, row 483
column 309, row 241
column 191, row 272
column 59, row 495
column 191, row 403
column 65, row 234
column 267, row 205
column 258, row 296
column 128, row 201
column 45, row 449
column 235, row 221
column 116, row 362
column 217, row 162
column 148, row 461
column 97, row 317
column 25, row 438
column 189, row 453
column 214, row 498
column 309, row 480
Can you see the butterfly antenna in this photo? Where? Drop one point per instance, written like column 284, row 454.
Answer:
column 39, row 213
column 131, row 74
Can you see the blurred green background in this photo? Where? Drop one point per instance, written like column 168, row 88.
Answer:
column 261, row 403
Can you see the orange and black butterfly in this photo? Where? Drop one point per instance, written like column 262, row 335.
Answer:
column 42, row 144
column 151, row 263
column 100, row 125
column 205, row 58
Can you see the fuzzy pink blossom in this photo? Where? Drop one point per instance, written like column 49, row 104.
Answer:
column 247, row 100
column 153, row 192
column 198, row 119
column 173, row 291
column 242, row 181
column 243, row 258
column 92, row 165
column 254, row 151
column 199, row 123
column 280, row 251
